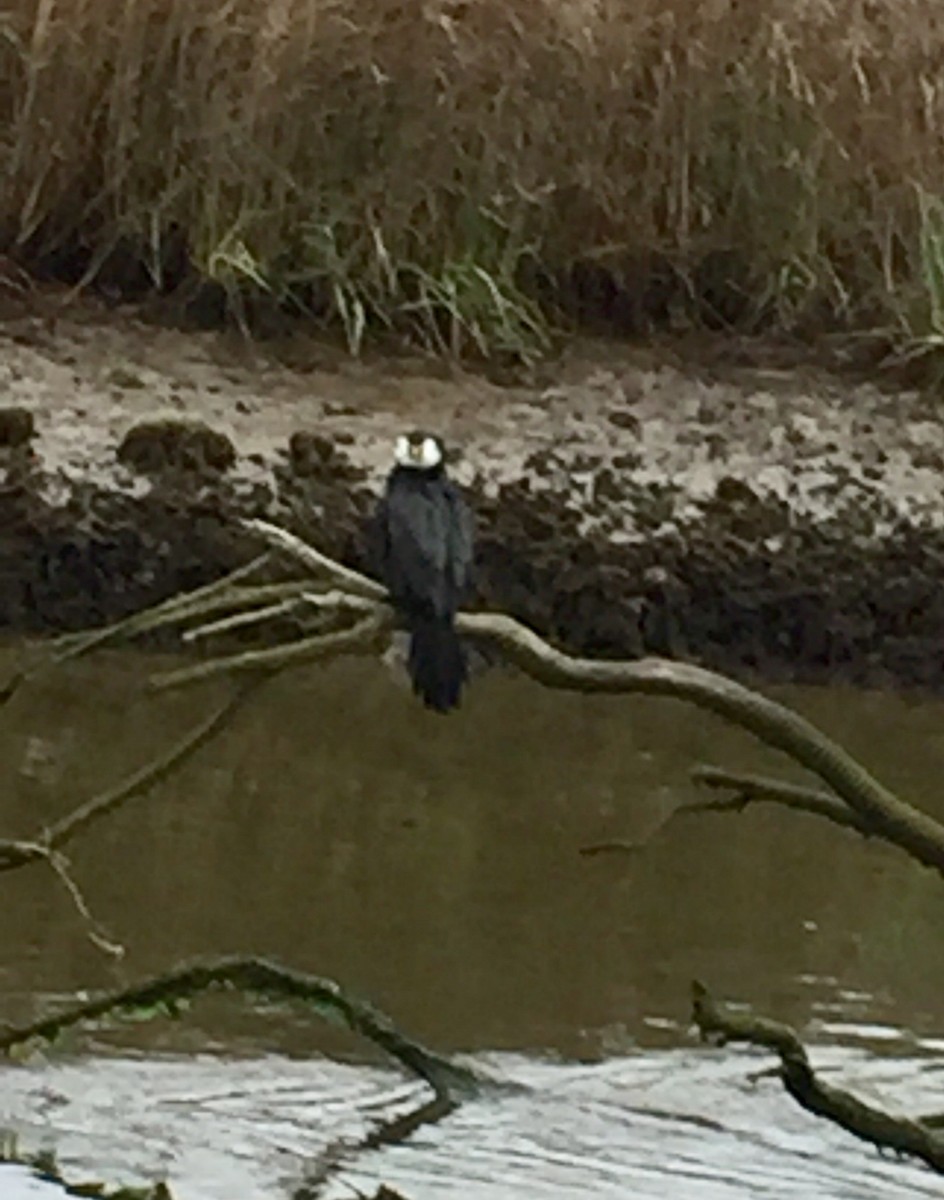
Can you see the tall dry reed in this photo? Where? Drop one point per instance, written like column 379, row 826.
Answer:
column 402, row 161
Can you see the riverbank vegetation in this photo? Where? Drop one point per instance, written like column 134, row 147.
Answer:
column 472, row 175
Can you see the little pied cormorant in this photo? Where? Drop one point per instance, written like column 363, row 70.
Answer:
column 424, row 533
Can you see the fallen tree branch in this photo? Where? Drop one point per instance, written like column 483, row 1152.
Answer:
column 175, row 608
column 889, row 817
column 916, row 832
column 885, row 815
column 45, row 1165
column 219, row 595
column 46, row 846
column 904, row 1135
column 391, row 1132
column 164, row 994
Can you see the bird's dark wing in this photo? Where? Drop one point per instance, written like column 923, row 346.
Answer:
column 417, row 538
column 461, row 551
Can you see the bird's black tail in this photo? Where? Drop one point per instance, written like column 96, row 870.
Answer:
column 437, row 664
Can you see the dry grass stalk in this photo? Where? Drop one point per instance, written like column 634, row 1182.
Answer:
column 398, row 163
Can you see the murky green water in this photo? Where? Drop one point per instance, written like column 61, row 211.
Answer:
column 432, row 865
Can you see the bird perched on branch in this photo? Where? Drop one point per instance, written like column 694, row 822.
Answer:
column 424, row 534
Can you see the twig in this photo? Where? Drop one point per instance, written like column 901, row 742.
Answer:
column 152, row 773
column 360, row 638
column 17, row 853
column 316, row 562
column 749, row 789
column 175, row 608
column 97, row 934
column 393, row 1132
column 243, row 620
column 46, row 846
column 758, row 789
column 257, row 977
column 332, row 601
column 904, row 1135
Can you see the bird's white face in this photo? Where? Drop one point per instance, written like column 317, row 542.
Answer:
column 422, row 454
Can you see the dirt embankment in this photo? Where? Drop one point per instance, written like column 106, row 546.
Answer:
column 783, row 522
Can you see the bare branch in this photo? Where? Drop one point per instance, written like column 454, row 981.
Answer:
column 914, row 831
column 316, row 562
column 360, row 638
column 151, row 774
column 45, row 847
column 97, row 934
column 392, row 1132
column 758, row 789
column 176, row 608
column 243, row 620
column 15, row 853
column 256, row 977
column 904, row 1135
column 871, row 804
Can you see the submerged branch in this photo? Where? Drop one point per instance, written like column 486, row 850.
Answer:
column 904, row 1135
column 391, row 1132
column 748, row 789
column 256, row 977
column 46, row 846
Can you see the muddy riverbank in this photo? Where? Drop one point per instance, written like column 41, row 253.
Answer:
column 779, row 521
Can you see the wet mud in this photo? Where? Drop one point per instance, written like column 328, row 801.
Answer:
column 783, row 523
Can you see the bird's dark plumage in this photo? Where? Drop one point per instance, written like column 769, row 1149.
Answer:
column 425, row 543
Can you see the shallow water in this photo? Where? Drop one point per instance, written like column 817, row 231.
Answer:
column 432, row 865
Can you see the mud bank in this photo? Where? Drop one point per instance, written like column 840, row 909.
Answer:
column 782, row 522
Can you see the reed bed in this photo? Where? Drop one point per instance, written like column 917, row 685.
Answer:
column 467, row 171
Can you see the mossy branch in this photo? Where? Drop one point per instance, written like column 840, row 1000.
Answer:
column 163, row 994
column 904, row 1135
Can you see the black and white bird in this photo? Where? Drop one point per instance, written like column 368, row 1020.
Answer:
column 424, row 533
